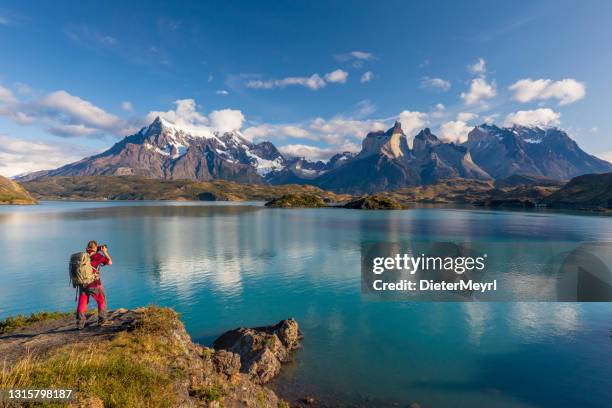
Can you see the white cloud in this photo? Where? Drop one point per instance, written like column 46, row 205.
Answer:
column 63, row 114
column 68, row 130
column 295, row 131
column 478, row 68
column 412, row 122
column 186, row 117
column 6, row 96
column 455, row 131
column 79, row 109
column 313, row 82
column 336, row 130
column 439, row 111
column 315, row 153
column 367, row 77
column 19, row 156
column 127, row 106
column 566, row 91
column 479, row 90
column 362, row 55
column 466, row 116
column 539, row 117
column 222, row 92
column 337, row 76
column 226, row 120
column 357, row 58
column 437, row 83
column 489, row 119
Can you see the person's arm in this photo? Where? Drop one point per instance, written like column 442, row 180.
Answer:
column 109, row 260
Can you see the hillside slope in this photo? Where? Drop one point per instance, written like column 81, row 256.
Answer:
column 13, row 193
column 588, row 191
column 140, row 188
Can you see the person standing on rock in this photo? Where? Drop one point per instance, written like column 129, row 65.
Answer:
column 97, row 256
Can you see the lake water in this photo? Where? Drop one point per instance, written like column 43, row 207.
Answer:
column 223, row 266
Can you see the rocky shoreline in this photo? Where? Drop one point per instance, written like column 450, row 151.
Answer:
column 151, row 344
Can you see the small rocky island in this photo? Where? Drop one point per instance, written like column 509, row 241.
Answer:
column 145, row 358
column 374, row 202
column 297, row 200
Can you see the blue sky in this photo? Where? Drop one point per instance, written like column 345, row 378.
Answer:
column 312, row 76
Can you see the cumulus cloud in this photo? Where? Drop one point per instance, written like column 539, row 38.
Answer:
column 63, row 114
column 479, row 90
column 566, row 91
column 466, row 116
column 478, row 68
column 540, row 117
column 186, row 116
column 226, row 120
column 366, row 77
column 455, row 131
column 68, row 130
column 258, row 132
column 337, row 76
column 436, row 83
column 412, row 122
column 294, row 131
column 81, row 110
column 222, row 92
column 19, row 156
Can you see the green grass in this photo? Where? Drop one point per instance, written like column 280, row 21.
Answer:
column 134, row 369
column 14, row 322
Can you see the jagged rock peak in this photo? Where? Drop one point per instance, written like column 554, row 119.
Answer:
column 396, row 129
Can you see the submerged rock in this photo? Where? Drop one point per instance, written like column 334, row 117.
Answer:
column 262, row 350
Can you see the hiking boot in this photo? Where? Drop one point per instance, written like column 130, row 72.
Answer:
column 103, row 319
column 81, row 319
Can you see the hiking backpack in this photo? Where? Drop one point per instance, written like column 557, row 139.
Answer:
column 80, row 269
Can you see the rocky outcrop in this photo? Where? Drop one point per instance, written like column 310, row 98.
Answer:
column 146, row 358
column 262, row 350
column 374, row 202
column 296, row 201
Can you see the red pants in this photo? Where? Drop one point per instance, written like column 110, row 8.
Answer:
column 98, row 295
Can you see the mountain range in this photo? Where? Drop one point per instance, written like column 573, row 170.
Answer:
column 385, row 162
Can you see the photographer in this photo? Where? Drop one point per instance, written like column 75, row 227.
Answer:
column 99, row 257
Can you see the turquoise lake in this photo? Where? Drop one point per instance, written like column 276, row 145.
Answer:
column 225, row 265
